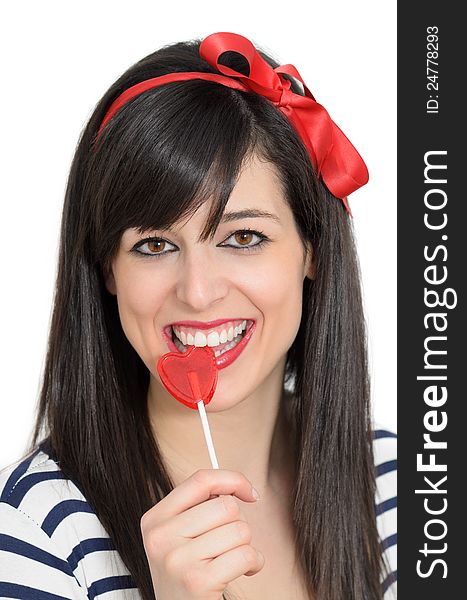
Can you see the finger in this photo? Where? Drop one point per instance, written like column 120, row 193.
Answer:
column 242, row 560
column 217, row 541
column 198, row 488
column 206, row 516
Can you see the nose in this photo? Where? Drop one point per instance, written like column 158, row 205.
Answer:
column 201, row 281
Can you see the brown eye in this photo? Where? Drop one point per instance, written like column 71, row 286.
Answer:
column 156, row 246
column 243, row 237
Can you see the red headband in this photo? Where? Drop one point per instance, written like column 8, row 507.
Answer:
column 335, row 158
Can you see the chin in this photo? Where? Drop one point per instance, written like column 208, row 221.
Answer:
column 220, row 401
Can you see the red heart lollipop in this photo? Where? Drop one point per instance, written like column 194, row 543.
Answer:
column 190, row 376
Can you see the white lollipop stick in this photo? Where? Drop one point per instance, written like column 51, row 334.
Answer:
column 193, row 379
column 207, row 434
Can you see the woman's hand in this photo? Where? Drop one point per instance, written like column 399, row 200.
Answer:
column 196, row 543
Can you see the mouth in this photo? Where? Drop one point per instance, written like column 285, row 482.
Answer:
column 227, row 346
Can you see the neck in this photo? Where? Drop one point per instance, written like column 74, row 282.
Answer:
column 252, row 437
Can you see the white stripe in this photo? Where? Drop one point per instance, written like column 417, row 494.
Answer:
column 24, row 571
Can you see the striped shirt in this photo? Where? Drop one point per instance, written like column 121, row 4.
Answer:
column 53, row 546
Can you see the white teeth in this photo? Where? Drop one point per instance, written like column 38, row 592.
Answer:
column 233, row 335
column 200, row 339
column 228, row 347
column 213, row 339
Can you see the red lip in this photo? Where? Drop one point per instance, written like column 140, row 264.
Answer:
column 225, row 359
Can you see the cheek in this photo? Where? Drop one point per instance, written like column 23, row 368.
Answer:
column 138, row 294
column 276, row 290
column 140, row 298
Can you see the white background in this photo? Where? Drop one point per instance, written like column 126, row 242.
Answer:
column 58, row 59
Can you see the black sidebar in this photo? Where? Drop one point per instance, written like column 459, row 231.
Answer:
column 432, row 269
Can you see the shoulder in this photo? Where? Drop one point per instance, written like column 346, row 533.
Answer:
column 50, row 537
column 385, row 456
column 37, row 488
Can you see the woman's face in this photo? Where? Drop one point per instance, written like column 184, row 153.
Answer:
column 173, row 278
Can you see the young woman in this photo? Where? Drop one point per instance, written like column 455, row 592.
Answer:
column 206, row 207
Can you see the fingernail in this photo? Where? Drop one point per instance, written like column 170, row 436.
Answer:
column 254, row 491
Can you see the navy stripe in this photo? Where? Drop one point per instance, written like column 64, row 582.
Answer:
column 29, row 481
column 385, row 467
column 87, row 547
column 119, row 582
column 23, row 592
column 16, row 474
column 62, row 510
column 383, row 433
column 382, row 507
column 391, row 578
column 389, row 541
column 15, row 546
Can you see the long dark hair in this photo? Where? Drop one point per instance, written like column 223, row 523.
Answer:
column 162, row 155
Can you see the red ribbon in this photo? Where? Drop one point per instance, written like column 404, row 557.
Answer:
column 335, row 159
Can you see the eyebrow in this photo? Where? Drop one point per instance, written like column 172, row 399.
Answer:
column 248, row 213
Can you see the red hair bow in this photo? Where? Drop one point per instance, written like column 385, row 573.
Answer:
column 335, row 159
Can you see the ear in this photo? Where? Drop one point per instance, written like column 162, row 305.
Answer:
column 110, row 282
column 309, row 268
